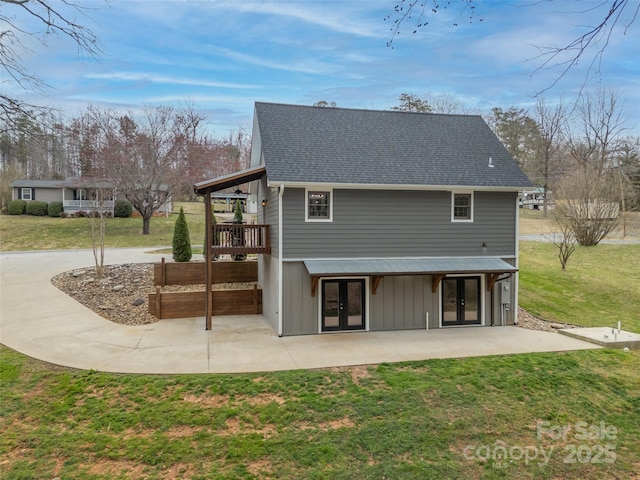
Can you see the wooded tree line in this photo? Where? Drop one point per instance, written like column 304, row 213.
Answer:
column 137, row 153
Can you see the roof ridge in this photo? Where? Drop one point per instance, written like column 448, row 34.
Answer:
column 372, row 110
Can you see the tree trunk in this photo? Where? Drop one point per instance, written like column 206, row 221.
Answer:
column 146, row 221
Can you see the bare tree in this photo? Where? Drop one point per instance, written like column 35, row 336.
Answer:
column 14, row 40
column 615, row 15
column 600, row 121
column 145, row 157
column 100, row 209
column 548, row 163
column 587, row 202
column 565, row 242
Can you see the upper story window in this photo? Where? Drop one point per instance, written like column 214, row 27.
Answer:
column 319, row 205
column 462, row 207
column 26, row 194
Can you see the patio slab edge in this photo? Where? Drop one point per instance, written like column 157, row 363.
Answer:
column 605, row 337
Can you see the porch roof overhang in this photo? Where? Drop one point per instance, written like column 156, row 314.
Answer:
column 406, row 266
column 377, row 268
column 231, row 180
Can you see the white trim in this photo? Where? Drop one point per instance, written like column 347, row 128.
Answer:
column 306, row 205
column 482, row 299
column 366, row 304
column 382, row 186
column 453, row 195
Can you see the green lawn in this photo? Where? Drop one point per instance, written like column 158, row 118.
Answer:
column 25, row 232
column 600, row 287
column 437, row 419
column 432, row 419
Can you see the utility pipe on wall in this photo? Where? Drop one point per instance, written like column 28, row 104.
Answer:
column 280, row 266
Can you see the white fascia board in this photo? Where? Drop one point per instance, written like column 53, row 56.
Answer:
column 382, row 186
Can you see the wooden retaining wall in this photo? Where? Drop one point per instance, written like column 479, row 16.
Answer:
column 192, row 304
column 192, row 273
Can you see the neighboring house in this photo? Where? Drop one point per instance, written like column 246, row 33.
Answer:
column 534, row 199
column 76, row 194
column 382, row 220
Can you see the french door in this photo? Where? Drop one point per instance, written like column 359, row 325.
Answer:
column 461, row 301
column 343, row 305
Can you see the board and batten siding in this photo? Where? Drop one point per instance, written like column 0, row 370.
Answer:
column 400, row 303
column 399, row 223
column 301, row 314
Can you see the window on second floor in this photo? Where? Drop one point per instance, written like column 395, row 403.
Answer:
column 462, row 207
column 319, row 205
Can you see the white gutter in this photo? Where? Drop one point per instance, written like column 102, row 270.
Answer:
column 280, row 267
column 381, row 186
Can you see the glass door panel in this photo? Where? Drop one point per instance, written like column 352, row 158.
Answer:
column 355, row 304
column 461, row 301
column 450, row 301
column 330, row 305
column 471, row 300
column 343, row 305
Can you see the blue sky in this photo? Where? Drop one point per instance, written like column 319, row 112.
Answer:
column 222, row 56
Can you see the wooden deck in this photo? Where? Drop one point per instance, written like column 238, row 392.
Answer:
column 237, row 239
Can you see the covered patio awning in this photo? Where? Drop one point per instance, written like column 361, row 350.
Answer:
column 231, row 180
column 380, row 267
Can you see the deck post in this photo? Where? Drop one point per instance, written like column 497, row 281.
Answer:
column 208, row 260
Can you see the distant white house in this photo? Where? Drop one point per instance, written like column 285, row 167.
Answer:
column 76, row 194
column 534, row 199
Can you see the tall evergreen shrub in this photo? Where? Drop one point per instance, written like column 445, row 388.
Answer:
column 216, row 239
column 181, row 241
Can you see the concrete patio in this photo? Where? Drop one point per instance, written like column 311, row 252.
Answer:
column 40, row 321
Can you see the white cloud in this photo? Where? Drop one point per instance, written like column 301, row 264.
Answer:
column 161, row 79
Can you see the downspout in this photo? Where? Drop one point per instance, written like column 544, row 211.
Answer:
column 280, row 265
column 516, row 275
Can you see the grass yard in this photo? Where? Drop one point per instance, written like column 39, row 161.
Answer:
column 600, row 286
column 25, row 232
column 437, row 419
column 532, row 222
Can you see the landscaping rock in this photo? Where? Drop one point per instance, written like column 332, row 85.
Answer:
column 138, row 301
column 78, row 273
column 118, row 288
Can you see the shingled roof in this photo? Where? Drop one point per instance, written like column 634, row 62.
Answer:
column 302, row 144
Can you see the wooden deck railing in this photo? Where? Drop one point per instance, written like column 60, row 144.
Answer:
column 241, row 239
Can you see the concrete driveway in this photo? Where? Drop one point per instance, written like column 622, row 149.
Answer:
column 40, row 321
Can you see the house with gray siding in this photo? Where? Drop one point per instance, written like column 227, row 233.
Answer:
column 76, row 194
column 382, row 220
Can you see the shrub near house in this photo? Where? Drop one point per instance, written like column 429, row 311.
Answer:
column 17, row 207
column 36, row 208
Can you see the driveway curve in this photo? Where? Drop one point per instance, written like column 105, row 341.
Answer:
column 39, row 320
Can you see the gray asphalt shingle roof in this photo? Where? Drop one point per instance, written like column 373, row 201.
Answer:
column 346, row 146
